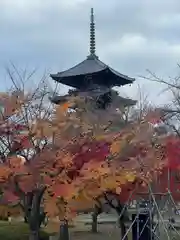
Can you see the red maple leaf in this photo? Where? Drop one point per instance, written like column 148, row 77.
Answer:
column 173, row 152
column 62, row 190
column 8, row 197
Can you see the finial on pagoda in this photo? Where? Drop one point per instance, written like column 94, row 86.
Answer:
column 92, row 36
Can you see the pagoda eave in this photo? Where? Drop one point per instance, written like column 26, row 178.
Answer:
column 106, row 77
column 126, row 102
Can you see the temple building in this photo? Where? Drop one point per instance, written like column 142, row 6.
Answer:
column 93, row 77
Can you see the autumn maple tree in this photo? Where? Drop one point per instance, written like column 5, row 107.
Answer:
column 106, row 164
column 37, row 157
column 69, row 158
column 18, row 146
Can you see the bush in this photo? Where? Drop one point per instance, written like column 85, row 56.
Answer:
column 17, row 231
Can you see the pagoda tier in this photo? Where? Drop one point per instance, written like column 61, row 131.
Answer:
column 91, row 71
column 102, row 97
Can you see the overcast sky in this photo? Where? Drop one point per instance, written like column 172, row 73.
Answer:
column 131, row 36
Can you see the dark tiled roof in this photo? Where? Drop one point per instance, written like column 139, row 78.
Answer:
column 92, row 65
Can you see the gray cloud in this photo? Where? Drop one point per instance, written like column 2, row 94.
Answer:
column 132, row 36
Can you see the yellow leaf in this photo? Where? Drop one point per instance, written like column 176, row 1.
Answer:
column 100, row 137
column 130, row 177
column 82, row 203
column 108, row 183
column 115, row 147
column 120, row 179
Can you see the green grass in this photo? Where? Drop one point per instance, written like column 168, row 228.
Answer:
column 17, row 231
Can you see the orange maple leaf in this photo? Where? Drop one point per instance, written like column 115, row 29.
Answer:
column 15, row 161
column 65, row 106
column 63, row 190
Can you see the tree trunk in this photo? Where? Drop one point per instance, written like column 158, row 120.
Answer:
column 123, row 216
column 97, row 210
column 34, row 216
column 34, row 235
column 27, row 207
column 94, row 223
column 34, row 229
column 25, row 219
column 64, row 231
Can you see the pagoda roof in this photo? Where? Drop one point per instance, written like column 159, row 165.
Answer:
column 91, row 71
column 92, row 66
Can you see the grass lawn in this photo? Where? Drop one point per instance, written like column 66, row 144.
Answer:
column 19, row 231
column 16, row 231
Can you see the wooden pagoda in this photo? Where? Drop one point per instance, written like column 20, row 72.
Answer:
column 93, row 76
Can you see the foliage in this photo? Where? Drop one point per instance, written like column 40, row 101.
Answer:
column 71, row 158
column 18, row 146
column 9, row 210
column 106, row 163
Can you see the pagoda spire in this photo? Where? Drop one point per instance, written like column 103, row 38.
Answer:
column 92, row 47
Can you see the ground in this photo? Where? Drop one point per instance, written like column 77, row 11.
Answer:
column 19, row 231
column 106, row 232
column 81, row 232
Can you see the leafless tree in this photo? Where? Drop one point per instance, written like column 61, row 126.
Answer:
column 170, row 113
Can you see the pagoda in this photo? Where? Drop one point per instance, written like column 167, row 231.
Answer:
column 93, row 76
